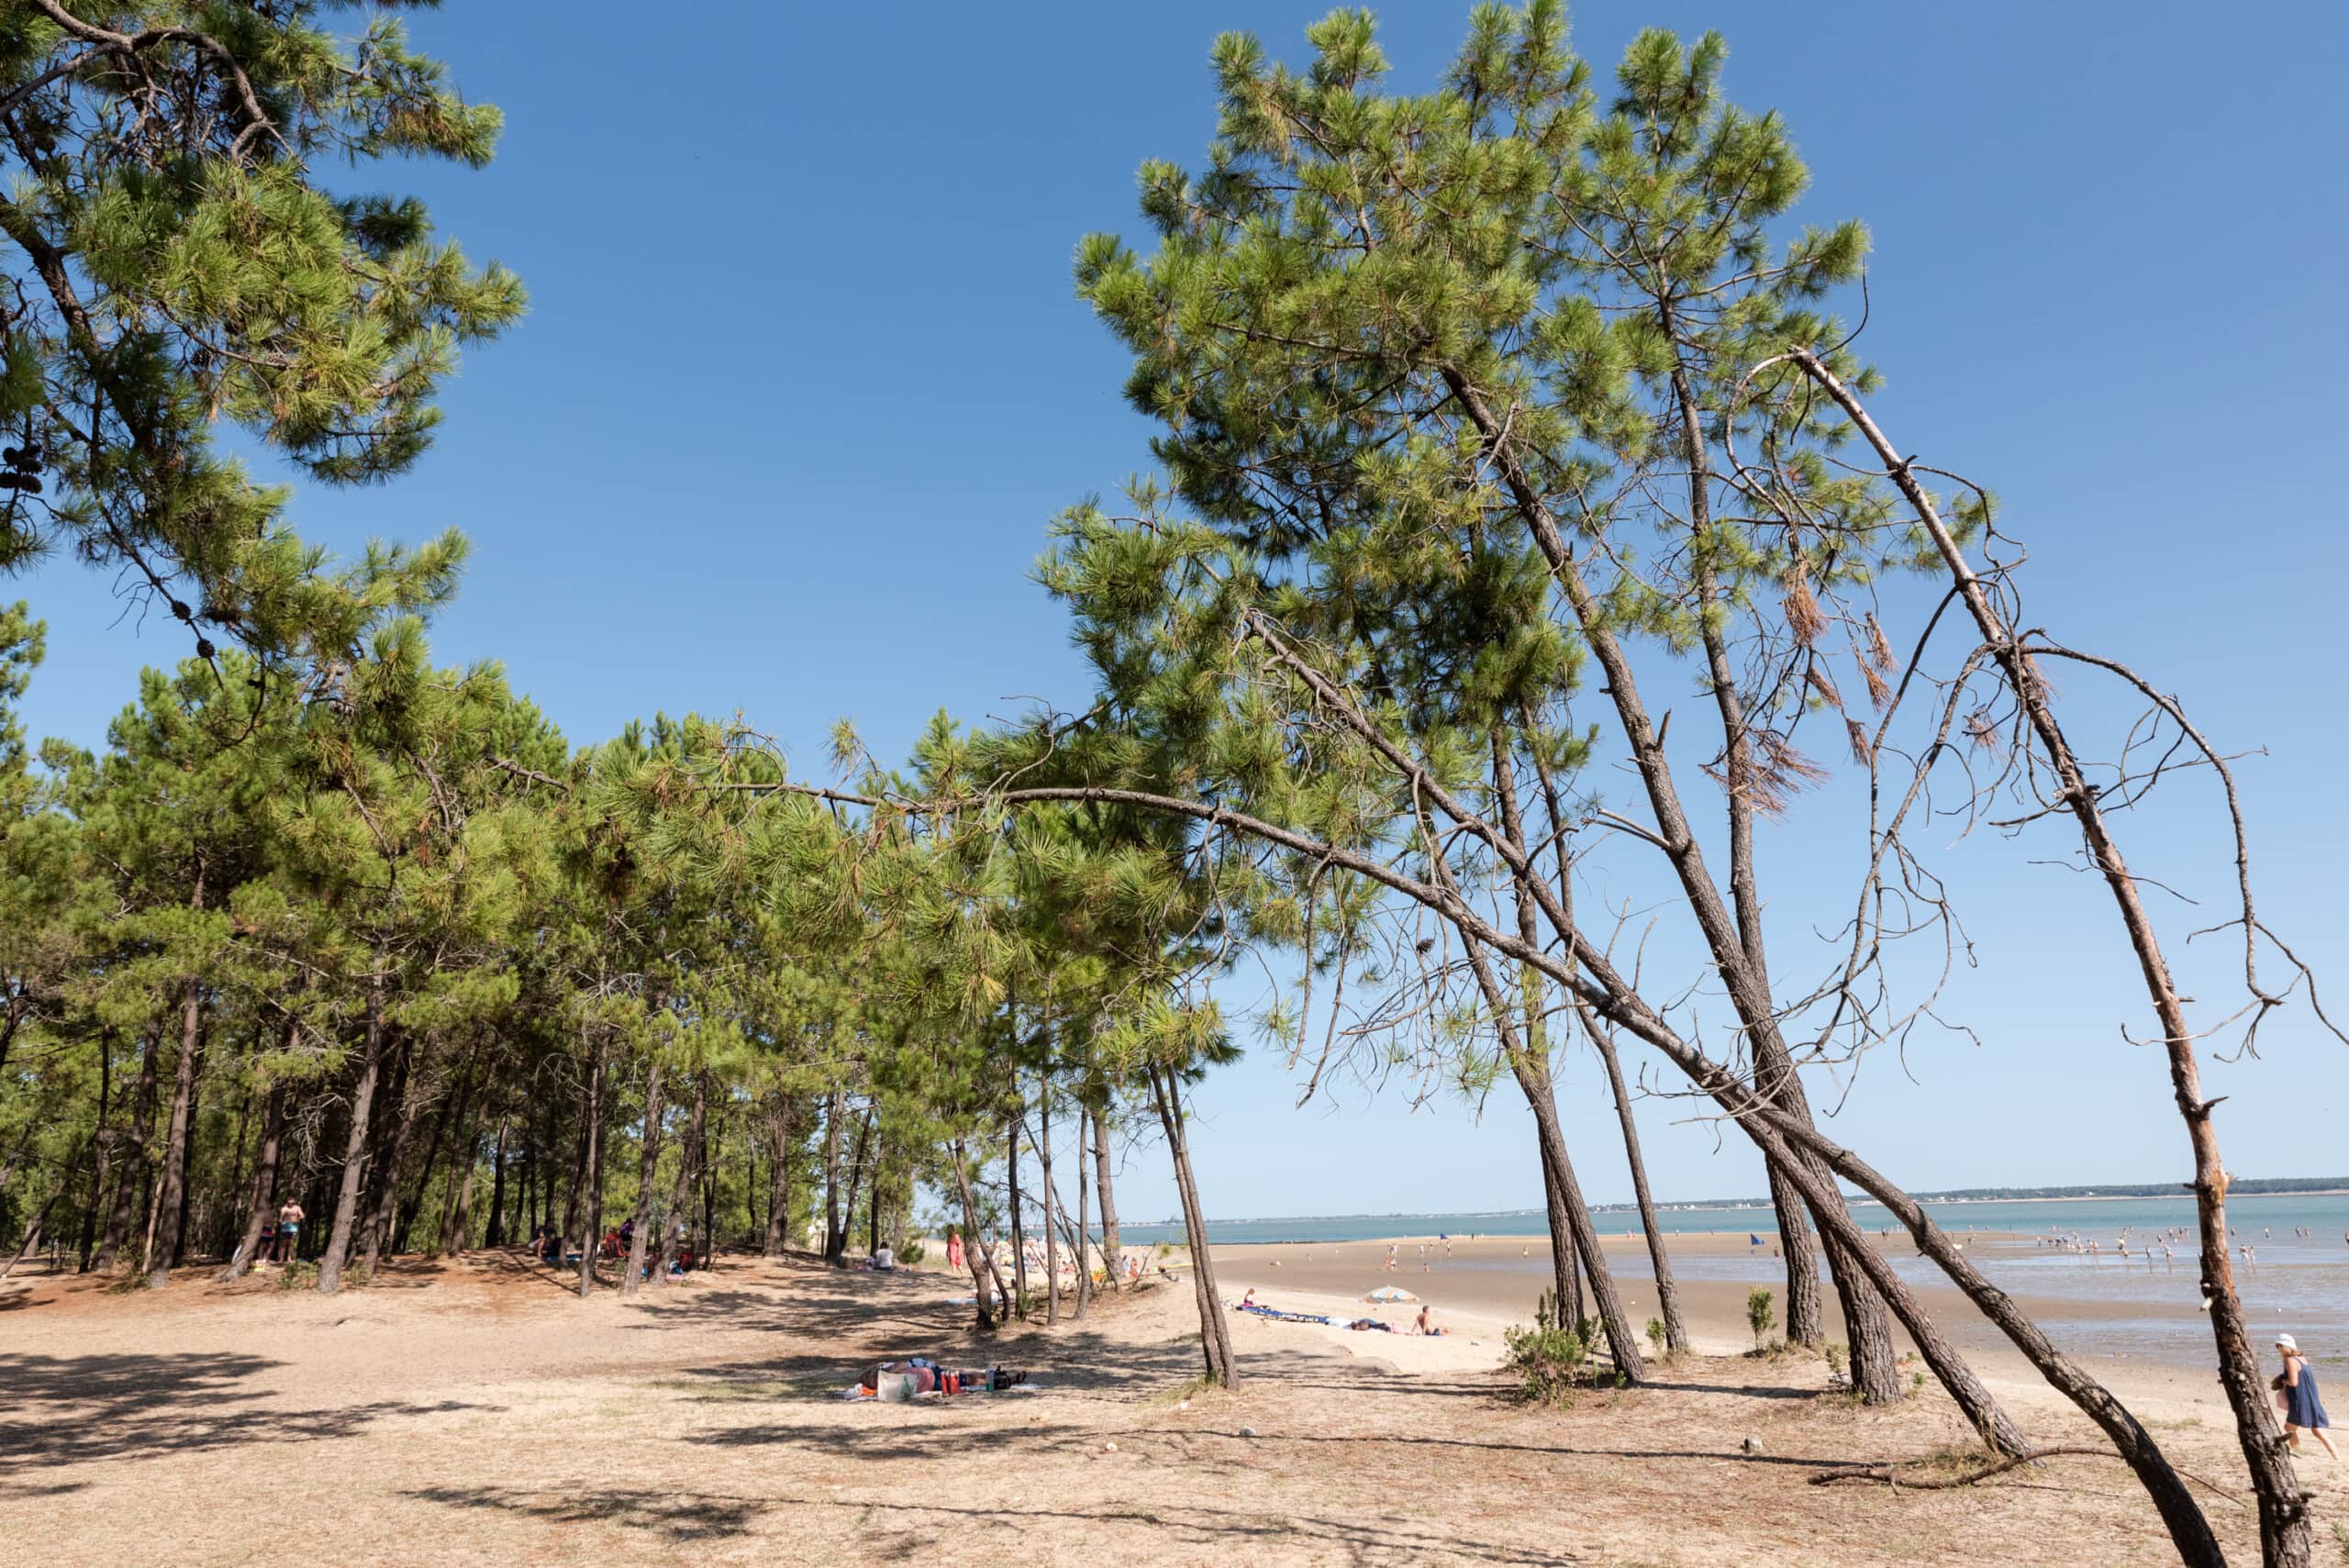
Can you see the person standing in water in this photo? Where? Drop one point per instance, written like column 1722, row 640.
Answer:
column 2303, row 1409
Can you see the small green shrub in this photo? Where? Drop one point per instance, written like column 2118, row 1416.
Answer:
column 1761, row 1314
column 298, row 1275
column 911, row 1253
column 1839, row 1360
column 1655, row 1334
column 1550, row 1363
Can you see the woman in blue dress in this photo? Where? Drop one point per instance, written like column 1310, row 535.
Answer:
column 2303, row 1409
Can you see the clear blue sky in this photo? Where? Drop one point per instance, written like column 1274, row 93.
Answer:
column 804, row 379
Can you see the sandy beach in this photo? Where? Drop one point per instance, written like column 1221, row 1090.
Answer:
column 470, row 1411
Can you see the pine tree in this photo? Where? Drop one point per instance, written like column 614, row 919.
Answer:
column 175, row 261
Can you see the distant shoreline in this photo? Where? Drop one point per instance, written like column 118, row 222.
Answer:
column 2249, row 1187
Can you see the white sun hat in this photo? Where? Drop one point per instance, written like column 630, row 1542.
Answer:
column 2288, row 1341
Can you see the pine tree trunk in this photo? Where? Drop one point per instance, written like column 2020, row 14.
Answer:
column 262, row 1199
column 137, row 1159
column 1621, row 1337
column 647, row 1166
column 1676, row 1329
column 2284, row 1527
column 1528, row 1058
column 317, row 1196
column 406, row 1104
column 705, row 1162
column 1045, row 1164
column 496, row 1235
column 1018, row 1230
column 832, row 1115
column 591, row 1240
column 1806, row 1306
column 40, row 1218
column 1084, row 1232
column 105, row 1138
column 2189, row 1530
column 163, row 1246
column 226, row 1240
column 973, row 1254
column 779, row 1179
column 354, row 1155
column 576, row 1196
column 836, row 1241
column 194, row 1125
column 1215, row 1340
column 1565, row 1280
column 457, row 1204
column 681, row 1197
column 530, row 1204
column 1746, row 982
column 453, row 1115
column 873, row 1227
column 1113, row 1248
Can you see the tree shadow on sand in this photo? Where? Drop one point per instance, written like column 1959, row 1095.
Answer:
column 815, row 1303
column 703, row 1516
column 1068, row 1360
column 69, row 1409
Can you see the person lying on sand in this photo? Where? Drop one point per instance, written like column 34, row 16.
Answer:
column 927, row 1377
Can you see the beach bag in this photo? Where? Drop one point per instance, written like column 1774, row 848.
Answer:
column 895, row 1388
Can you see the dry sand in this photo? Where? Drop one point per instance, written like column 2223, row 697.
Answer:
column 470, row 1411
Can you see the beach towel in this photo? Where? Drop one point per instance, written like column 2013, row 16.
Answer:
column 1277, row 1316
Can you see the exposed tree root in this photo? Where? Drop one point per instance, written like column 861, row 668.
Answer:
column 1890, row 1474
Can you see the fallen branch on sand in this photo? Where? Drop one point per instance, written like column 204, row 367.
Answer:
column 1890, row 1474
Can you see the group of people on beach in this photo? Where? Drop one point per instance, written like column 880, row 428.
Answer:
column 2167, row 1240
column 1424, row 1324
column 958, row 1258
column 1425, row 1265
column 547, row 1246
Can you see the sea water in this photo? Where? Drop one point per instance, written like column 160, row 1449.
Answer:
column 2143, row 1305
column 2101, row 1218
